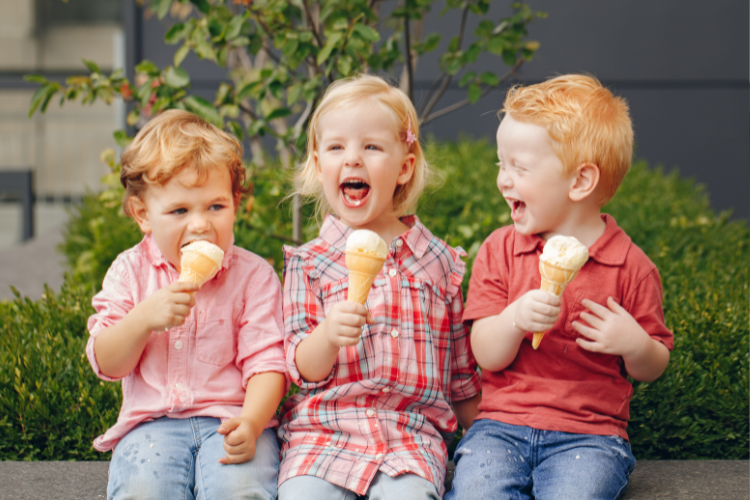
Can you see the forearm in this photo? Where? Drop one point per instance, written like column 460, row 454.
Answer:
column 262, row 397
column 495, row 341
column 315, row 355
column 119, row 347
column 649, row 361
column 466, row 410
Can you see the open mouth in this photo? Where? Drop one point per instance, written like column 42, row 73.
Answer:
column 354, row 192
column 518, row 208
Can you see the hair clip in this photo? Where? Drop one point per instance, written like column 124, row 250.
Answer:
column 410, row 137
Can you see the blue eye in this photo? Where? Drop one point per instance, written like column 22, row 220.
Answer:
column 179, row 211
column 371, row 147
column 216, row 207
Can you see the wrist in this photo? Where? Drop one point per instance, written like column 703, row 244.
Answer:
column 330, row 347
column 640, row 345
column 256, row 429
column 141, row 320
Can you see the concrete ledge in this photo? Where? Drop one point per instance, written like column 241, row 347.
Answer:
column 651, row 480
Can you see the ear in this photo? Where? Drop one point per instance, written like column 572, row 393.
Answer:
column 584, row 181
column 140, row 213
column 407, row 169
column 316, row 166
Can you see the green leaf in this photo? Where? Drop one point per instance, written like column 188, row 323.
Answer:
column 162, row 7
column 91, row 65
column 509, row 56
column 278, row 113
column 43, row 94
column 367, row 33
column 35, row 78
column 430, row 43
column 235, row 27
column 237, row 130
column 133, row 117
column 290, row 47
column 467, row 78
column 147, row 67
column 176, row 77
column 181, row 54
column 490, row 79
column 331, row 44
column 204, row 109
column 344, row 65
column 122, row 138
column 202, row 5
column 176, row 33
column 293, row 93
column 247, row 90
column 475, row 93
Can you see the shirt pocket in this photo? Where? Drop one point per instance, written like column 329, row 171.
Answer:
column 214, row 337
column 334, row 292
column 577, row 308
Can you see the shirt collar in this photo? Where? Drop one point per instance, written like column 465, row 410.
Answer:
column 610, row 248
column 156, row 258
column 417, row 238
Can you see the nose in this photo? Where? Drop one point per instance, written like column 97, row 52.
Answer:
column 352, row 159
column 199, row 223
column 503, row 179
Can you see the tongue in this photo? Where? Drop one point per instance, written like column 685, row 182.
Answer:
column 518, row 209
column 356, row 194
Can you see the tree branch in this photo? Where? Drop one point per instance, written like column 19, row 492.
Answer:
column 313, row 27
column 407, row 50
column 430, row 91
column 485, row 91
column 431, row 104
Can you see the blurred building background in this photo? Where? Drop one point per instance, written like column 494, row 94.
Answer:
column 684, row 67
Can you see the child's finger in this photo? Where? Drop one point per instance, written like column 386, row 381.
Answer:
column 183, row 286
column 595, row 308
column 353, row 320
column 589, row 346
column 586, row 331
column 614, row 306
column 228, row 426
column 351, row 331
column 370, row 319
column 592, row 320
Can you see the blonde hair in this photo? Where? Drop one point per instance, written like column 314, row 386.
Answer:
column 173, row 141
column 586, row 122
column 397, row 106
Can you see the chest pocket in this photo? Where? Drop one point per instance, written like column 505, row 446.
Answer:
column 333, row 293
column 431, row 311
column 576, row 308
column 214, row 337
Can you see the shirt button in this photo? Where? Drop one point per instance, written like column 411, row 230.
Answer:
column 370, row 413
column 386, row 389
column 399, row 242
column 178, row 345
column 379, row 456
column 179, row 386
column 394, row 333
column 393, row 273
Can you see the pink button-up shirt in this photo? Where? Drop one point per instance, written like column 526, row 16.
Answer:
column 201, row 368
column 385, row 406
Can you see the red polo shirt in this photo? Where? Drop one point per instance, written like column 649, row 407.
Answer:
column 560, row 386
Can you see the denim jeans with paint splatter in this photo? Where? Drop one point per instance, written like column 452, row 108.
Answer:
column 509, row 462
column 170, row 458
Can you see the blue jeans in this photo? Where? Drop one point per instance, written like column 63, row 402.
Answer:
column 383, row 487
column 509, row 462
column 171, row 458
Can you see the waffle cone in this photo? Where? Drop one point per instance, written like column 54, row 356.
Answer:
column 362, row 271
column 197, row 267
column 554, row 281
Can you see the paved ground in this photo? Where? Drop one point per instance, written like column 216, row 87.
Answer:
column 29, row 266
column 652, row 480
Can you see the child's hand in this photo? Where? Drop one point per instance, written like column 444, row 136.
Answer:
column 536, row 311
column 344, row 323
column 239, row 440
column 168, row 307
column 612, row 331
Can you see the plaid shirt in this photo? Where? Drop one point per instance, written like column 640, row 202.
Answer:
column 385, row 406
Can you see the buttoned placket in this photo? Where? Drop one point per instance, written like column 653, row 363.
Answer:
column 177, row 360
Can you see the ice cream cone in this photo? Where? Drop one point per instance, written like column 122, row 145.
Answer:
column 362, row 271
column 200, row 261
column 554, row 281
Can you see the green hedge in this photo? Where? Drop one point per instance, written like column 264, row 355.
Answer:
column 51, row 404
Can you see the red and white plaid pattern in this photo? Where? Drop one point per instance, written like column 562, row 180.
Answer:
column 385, row 406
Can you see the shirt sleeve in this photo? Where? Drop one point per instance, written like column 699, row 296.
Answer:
column 464, row 369
column 645, row 305
column 303, row 311
column 260, row 346
column 488, row 286
column 112, row 304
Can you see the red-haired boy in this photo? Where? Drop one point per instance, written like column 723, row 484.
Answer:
column 552, row 421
